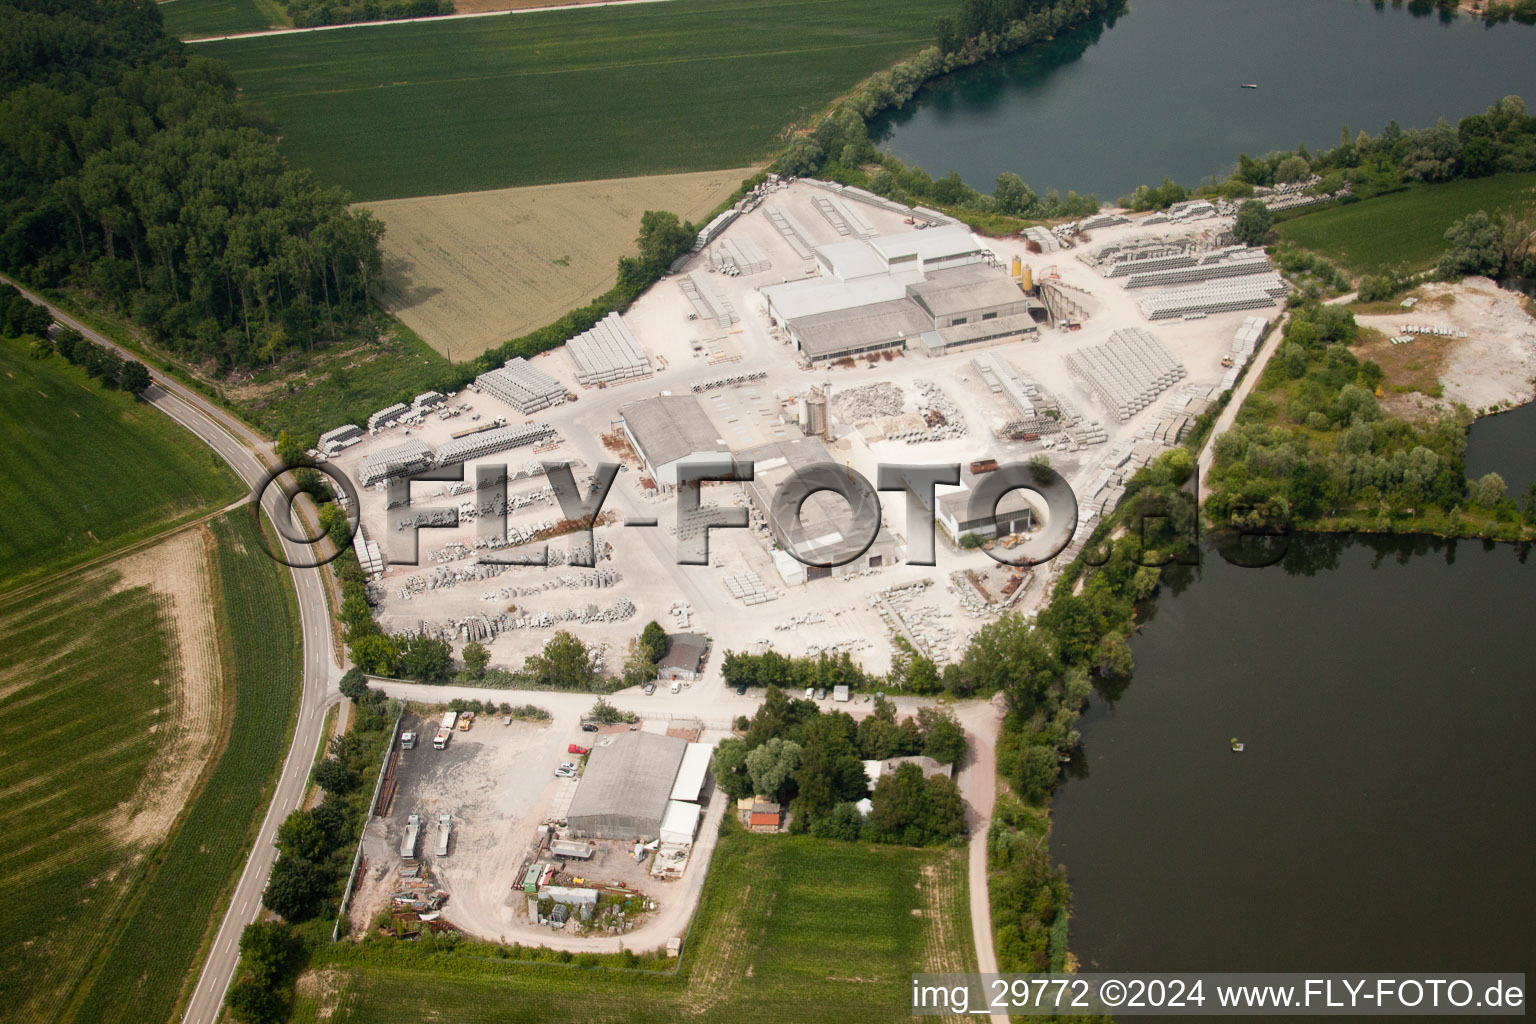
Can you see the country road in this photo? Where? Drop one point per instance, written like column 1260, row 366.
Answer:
column 708, row 700
column 245, row 452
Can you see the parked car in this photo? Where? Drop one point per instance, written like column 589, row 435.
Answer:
column 577, row 748
column 741, row 691
column 821, row 693
column 407, row 741
column 564, row 773
column 650, row 688
column 810, row 691
column 589, row 727
column 568, row 766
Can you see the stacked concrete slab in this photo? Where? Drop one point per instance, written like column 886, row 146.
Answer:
column 1234, row 262
column 708, row 300
column 523, row 386
column 489, row 442
column 1001, row 378
column 1224, row 296
column 407, row 457
column 739, row 256
column 607, row 353
column 1128, row 371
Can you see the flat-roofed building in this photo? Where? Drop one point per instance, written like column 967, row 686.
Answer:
column 824, row 520
column 968, row 294
column 670, row 431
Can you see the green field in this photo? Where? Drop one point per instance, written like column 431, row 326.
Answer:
column 89, row 469
column 788, row 929
column 1404, row 230
column 194, row 19
column 101, row 930
column 76, row 741
column 182, row 903
column 485, row 103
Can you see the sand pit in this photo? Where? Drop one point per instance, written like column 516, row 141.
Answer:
column 469, row 271
column 1493, row 367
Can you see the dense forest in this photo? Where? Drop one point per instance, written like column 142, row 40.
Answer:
column 128, row 169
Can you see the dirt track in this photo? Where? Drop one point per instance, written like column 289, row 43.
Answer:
column 471, row 270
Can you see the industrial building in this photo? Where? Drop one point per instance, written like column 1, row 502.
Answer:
column 684, row 658
column 641, row 785
column 670, row 431
column 523, row 386
column 1014, row 512
column 824, row 517
column 879, row 293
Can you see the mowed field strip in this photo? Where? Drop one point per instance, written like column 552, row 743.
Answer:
column 789, row 928
column 111, row 682
column 466, row 272
column 572, row 95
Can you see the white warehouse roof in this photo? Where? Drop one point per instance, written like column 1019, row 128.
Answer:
column 680, row 823
column 910, row 248
column 693, row 771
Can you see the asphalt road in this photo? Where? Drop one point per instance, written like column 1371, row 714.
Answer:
column 245, row 452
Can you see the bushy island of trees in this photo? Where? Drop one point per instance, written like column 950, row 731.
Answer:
column 796, row 754
column 309, row 13
column 1312, row 448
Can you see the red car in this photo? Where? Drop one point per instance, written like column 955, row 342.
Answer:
column 575, row 748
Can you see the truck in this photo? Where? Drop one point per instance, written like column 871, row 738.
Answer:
column 572, row 848
column 440, row 741
column 464, row 720
column 407, row 741
column 983, row 466
column 444, row 827
column 408, row 844
column 450, row 718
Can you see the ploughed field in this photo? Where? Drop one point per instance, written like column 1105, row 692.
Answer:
column 788, row 928
column 466, row 272
column 572, row 95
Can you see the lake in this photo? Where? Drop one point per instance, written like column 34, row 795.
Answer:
column 1381, row 817
column 1150, row 93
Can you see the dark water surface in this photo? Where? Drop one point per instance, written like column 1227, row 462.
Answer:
column 1381, row 817
column 1159, row 91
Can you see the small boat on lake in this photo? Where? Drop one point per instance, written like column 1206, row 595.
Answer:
column 1250, row 85
column 1237, row 745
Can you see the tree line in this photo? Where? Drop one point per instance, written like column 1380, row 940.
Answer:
column 309, row 13
column 796, row 754
column 128, row 169
column 20, row 317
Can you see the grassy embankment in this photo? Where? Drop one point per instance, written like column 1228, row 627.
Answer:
column 1403, row 230
column 89, row 470
column 567, row 95
column 788, row 928
column 198, row 19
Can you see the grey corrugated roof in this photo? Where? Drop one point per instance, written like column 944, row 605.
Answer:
column 629, row 777
column 824, row 334
column 957, row 289
column 669, row 427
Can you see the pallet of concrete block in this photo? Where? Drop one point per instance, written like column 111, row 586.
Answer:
column 1128, row 371
column 1042, row 237
column 489, row 442
column 1248, row 335
column 1102, row 220
column 410, row 456
column 707, row 300
column 793, row 233
column 344, row 436
column 427, row 400
column 1193, row 209
column 607, row 353
column 713, row 228
column 1224, row 296
column 735, row 256
column 522, row 385
column 387, row 415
